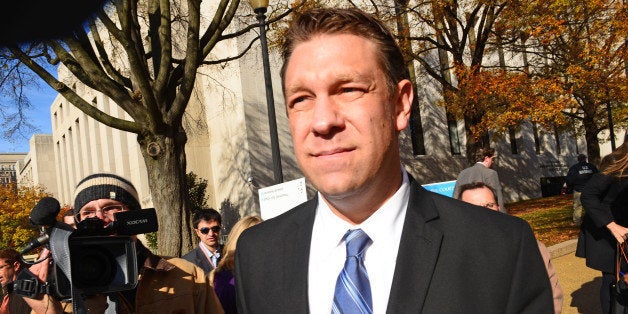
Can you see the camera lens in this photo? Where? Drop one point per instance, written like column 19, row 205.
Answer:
column 93, row 266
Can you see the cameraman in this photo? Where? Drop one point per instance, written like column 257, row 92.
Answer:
column 165, row 285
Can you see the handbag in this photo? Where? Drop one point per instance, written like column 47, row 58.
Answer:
column 619, row 289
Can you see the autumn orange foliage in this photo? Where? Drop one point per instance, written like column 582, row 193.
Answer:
column 16, row 204
column 500, row 99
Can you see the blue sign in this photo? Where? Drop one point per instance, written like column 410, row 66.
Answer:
column 445, row 188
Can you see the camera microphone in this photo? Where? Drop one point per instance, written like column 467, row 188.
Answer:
column 44, row 214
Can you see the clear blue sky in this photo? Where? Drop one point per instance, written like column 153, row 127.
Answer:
column 41, row 98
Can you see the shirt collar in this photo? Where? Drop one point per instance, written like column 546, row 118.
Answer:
column 388, row 217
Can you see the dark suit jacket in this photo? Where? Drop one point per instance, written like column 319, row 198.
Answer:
column 197, row 257
column 453, row 258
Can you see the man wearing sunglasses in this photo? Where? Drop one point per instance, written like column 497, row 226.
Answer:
column 207, row 225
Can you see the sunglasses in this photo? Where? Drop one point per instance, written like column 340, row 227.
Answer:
column 214, row 229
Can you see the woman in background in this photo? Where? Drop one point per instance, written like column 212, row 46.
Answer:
column 222, row 277
column 605, row 200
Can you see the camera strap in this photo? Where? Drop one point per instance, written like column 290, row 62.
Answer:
column 28, row 285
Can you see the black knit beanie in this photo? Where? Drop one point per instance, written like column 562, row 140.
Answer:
column 107, row 186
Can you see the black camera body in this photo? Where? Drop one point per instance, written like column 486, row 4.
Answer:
column 95, row 259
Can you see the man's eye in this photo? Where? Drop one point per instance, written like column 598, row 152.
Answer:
column 351, row 93
column 297, row 101
column 350, row 90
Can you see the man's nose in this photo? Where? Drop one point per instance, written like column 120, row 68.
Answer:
column 325, row 116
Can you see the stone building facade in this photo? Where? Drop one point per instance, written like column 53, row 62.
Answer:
column 8, row 171
column 38, row 167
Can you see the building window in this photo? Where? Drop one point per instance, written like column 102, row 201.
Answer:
column 454, row 137
column 537, row 141
column 557, row 137
column 416, row 130
column 512, row 134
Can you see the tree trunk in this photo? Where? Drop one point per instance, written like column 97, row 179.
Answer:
column 166, row 165
column 590, row 134
column 473, row 144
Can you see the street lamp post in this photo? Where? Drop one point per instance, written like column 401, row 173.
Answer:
column 259, row 7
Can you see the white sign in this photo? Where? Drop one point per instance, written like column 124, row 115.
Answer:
column 278, row 199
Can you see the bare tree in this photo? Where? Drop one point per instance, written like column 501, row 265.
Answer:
column 144, row 56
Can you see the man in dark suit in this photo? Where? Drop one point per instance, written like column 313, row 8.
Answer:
column 373, row 232
column 481, row 172
column 207, row 224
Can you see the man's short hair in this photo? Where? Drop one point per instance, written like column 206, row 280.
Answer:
column 483, row 153
column 11, row 256
column 474, row 186
column 352, row 21
column 206, row 214
column 582, row 157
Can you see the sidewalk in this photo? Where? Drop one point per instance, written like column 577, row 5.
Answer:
column 581, row 285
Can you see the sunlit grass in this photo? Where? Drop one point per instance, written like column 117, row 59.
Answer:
column 549, row 217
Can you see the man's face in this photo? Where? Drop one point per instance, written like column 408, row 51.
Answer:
column 8, row 271
column 209, row 233
column 102, row 209
column 481, row 196
column 343, row 120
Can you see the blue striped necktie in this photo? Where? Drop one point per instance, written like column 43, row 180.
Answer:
column 353, row 289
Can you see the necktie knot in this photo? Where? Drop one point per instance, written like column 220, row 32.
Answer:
column 356, row 241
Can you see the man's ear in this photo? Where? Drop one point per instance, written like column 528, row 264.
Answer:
column 403, row 103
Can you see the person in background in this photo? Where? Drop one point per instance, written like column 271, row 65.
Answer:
column 348, row 97
column 605, row 221
column 69, row 219
column 165, row 285
column 222, row 276
column 10, row 266
column 207, row 225
column 576, row 179
column 481, row 172
column 480, row 194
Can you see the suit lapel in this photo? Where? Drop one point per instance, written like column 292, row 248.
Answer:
column 202, row 259
column 418, row 253
column 297, row 257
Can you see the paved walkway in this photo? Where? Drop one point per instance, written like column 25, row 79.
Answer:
column 581, row 285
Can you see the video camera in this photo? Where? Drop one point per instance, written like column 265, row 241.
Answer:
column 90, row 259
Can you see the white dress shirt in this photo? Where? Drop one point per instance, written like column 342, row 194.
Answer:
column 212, row 257
column 328, row 250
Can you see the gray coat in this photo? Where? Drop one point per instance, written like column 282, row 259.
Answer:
column 480, row 173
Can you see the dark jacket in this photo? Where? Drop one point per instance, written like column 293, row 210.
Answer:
column 579, row 174
column 197, row 257
column 453, row 257
column 604, row 199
